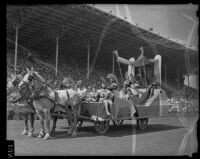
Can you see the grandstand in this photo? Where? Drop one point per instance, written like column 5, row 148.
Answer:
column 84, row 32
column 104, row 31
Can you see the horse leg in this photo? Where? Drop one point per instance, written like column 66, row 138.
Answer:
column 71, row 126
column 74, row 124
column 106, row 107
column 53, row 130
column 25, row 131
column 76, row 113
column 42, row 131
column 32, row 124
column 70, row 119
column 47, row 136
column 132, row 109
column 47, row 119
column 110, row 104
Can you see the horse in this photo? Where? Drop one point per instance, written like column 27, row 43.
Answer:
column 46, row 101
column 12, row 86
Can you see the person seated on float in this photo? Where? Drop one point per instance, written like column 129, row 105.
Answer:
column 88, row 90
column 123, row 94
column 154, row 93
column 76, row 87
column 93, row 95
column 66, row 84
column 133, row 88
column 104, row 96
column 113, row 85
column 101, row 93
column 141, row 100
column 69, row 86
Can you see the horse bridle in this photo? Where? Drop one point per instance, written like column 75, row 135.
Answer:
column 25, row 96
column 27, row 85
column 41, row 90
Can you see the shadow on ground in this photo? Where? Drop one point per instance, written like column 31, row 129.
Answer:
column 115, row 131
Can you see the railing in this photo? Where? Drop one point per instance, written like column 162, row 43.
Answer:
column 19, row 108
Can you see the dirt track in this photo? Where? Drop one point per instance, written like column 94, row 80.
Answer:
column 162, row 137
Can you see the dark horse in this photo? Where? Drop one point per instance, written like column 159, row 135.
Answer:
column 12, row 86
column 45, row 101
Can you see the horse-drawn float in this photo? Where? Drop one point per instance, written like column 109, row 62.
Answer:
column 154, row 105
column 121, row 110
column 149, row 105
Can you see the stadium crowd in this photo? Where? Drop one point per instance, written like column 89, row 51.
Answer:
column 79, row 74
column 65, row 70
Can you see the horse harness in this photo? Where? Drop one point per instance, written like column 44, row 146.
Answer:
column 55, row 101
column 29, row 100
column 23, row 97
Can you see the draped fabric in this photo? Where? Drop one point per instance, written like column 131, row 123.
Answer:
column 141, row 61
column 144, row 69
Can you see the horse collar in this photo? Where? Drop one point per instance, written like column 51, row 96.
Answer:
column 25, row 83
column 23, row 97
column 67, row 94
column 56, row 97
column 42, row 89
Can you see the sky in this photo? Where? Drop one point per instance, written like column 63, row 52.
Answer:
column 168, row 20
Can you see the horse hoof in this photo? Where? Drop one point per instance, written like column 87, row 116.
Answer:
column 40, row 136
column 24, row 132
column 74, row 134
column 69, row 132
column 53, row 131
column 47, row 136
column 30, row 134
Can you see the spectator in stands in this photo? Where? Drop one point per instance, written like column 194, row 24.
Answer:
column 113, row 85
column 80, row 89
column 123, row 94
column 92, row 96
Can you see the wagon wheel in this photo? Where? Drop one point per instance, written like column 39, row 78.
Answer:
column 118, row 122
column 102, row 126
column 142, row 123
column 79, row 123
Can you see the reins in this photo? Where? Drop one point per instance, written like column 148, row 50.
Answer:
column 43, row 94
column 25, row 96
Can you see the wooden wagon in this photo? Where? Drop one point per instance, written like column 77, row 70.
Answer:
column 121, row 110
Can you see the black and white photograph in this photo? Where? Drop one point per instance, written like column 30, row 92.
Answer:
column 102, row 79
